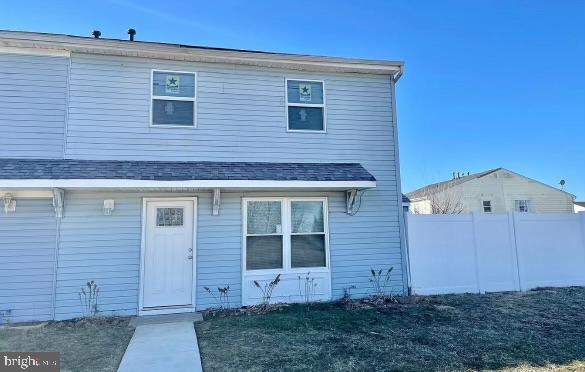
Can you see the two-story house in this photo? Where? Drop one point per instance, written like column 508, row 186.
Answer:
column 157, row 170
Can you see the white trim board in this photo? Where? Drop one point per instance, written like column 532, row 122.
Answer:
column 177, row 52
column 35, row 51
column 170, row 310
column 191, row 184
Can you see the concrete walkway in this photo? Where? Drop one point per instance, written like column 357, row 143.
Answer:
column 165, row 347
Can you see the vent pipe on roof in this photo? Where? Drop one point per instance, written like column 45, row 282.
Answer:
column 131, row 32
column 96, row 34
column 453, row 175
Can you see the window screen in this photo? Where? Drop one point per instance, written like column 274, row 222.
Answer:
column 305, row 105
column 307, row 234
column 173, row 99
column 264, row 235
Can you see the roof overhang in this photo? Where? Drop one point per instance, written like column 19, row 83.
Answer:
column 187, row 185
column 50, row 43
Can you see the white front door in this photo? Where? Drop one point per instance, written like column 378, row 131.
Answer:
column 168, row 254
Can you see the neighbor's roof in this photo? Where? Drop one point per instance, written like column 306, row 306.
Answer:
column 580, row 203
column 52, row 169
column 431, row 189
column 193, row 53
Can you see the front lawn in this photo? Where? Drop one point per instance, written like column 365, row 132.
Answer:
column 520, row 331
column 93, row 344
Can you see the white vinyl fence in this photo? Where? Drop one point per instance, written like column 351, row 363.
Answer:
column 495, row 252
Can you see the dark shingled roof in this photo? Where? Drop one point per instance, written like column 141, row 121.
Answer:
column 580, row 203
column 179, row 170
column 431, row 189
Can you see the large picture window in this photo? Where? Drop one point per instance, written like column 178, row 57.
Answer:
column 305, row 101
column 173, row 99
column 286, row 233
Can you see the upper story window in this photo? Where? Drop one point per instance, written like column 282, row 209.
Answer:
column 521, row 205
column 305, row 105
column 173, row 99
column 487, row 206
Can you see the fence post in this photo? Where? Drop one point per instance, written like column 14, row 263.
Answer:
column 512, row 217
column 582, row 215
column 475, row 253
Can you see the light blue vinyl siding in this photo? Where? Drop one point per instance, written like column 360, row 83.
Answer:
column 33, row 99
column 27, row 251
column 241, row 116
column 107, row 249
column 101, row 248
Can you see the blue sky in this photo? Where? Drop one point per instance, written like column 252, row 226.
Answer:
column 488, row 83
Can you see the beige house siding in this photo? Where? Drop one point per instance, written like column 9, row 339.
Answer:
column 502, row 188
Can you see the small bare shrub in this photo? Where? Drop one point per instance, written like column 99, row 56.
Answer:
column 88, row 297
column 307, row 287
column 222, row 298
column 266, row 291
column 5, row 316
column 379, row 281
column 346, row 300
column 347, row 293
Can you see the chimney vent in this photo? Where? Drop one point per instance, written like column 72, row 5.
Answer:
column 131, row 32
column 96, row 34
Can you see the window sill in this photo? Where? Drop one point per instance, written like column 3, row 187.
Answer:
column 306, row 131
column 173, row 126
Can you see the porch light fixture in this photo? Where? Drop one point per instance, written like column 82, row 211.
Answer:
column 9, row 203
column 109, row 206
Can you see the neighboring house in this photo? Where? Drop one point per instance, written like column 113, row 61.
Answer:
column 158, row 169
column 494, row 191
column 579, row 206
column 405, row 203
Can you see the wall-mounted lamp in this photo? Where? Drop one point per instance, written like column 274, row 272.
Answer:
column 9, row 203
column 109, row 206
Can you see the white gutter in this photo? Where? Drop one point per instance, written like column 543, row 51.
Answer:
column 24, row 184
column 74, row 44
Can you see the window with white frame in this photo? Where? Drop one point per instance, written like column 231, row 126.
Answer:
column 487, row 206
column 173, row 99
column 305, row 105
column 521, row 206
column 285, row 233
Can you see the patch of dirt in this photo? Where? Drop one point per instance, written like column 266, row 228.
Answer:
column 96, row 321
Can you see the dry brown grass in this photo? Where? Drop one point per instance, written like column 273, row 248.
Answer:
column 89, row 344
column 541, row 330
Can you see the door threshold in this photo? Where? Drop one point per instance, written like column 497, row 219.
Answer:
column 165, row 319
column 166, row 310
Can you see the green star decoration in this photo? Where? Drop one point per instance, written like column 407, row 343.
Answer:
column 305, row 90
column 172, row 81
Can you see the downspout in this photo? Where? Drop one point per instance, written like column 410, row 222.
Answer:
column 401, row 225
column 58, row 201
column 55, row 266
